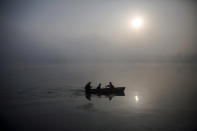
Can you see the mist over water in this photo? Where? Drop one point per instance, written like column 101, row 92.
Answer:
column 66, row 31
column 51, row 97
column 50, row 49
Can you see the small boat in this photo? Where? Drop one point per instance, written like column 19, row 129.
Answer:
column 115, row 90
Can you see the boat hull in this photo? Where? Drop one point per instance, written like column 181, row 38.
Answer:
column 116, row 90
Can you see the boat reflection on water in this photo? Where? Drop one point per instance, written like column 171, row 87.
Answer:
column 88, row 95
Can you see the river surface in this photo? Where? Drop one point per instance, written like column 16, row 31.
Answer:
column 158, row 97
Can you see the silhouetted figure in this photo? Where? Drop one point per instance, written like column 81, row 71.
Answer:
column 110, row 85
column 88, row 86
column 99, row 86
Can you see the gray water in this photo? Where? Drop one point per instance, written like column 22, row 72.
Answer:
column 158, row 96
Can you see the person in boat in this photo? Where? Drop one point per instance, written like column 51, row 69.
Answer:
column 88, row 86
column 110, row 85
column 99, row 86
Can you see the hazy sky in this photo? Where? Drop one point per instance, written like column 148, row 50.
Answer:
column 96, row 29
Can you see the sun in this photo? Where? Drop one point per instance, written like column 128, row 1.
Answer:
column 136, row 98
column 137, row 23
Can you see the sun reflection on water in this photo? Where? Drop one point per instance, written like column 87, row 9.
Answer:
column 135, row 99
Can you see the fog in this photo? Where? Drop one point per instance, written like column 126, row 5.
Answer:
column 50, row 49
column 65, row 31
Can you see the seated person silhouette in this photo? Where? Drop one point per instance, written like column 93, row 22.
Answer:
column 88, row 86
column 110, row 85
column 99, row 86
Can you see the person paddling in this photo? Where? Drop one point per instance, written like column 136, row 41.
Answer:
column 110, row 85
column 99, row 86
column 88, row 86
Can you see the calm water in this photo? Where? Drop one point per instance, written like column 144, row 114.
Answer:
column 51, row 97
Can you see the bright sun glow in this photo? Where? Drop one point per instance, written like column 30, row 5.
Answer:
column 137, row 23
column 136, row 98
